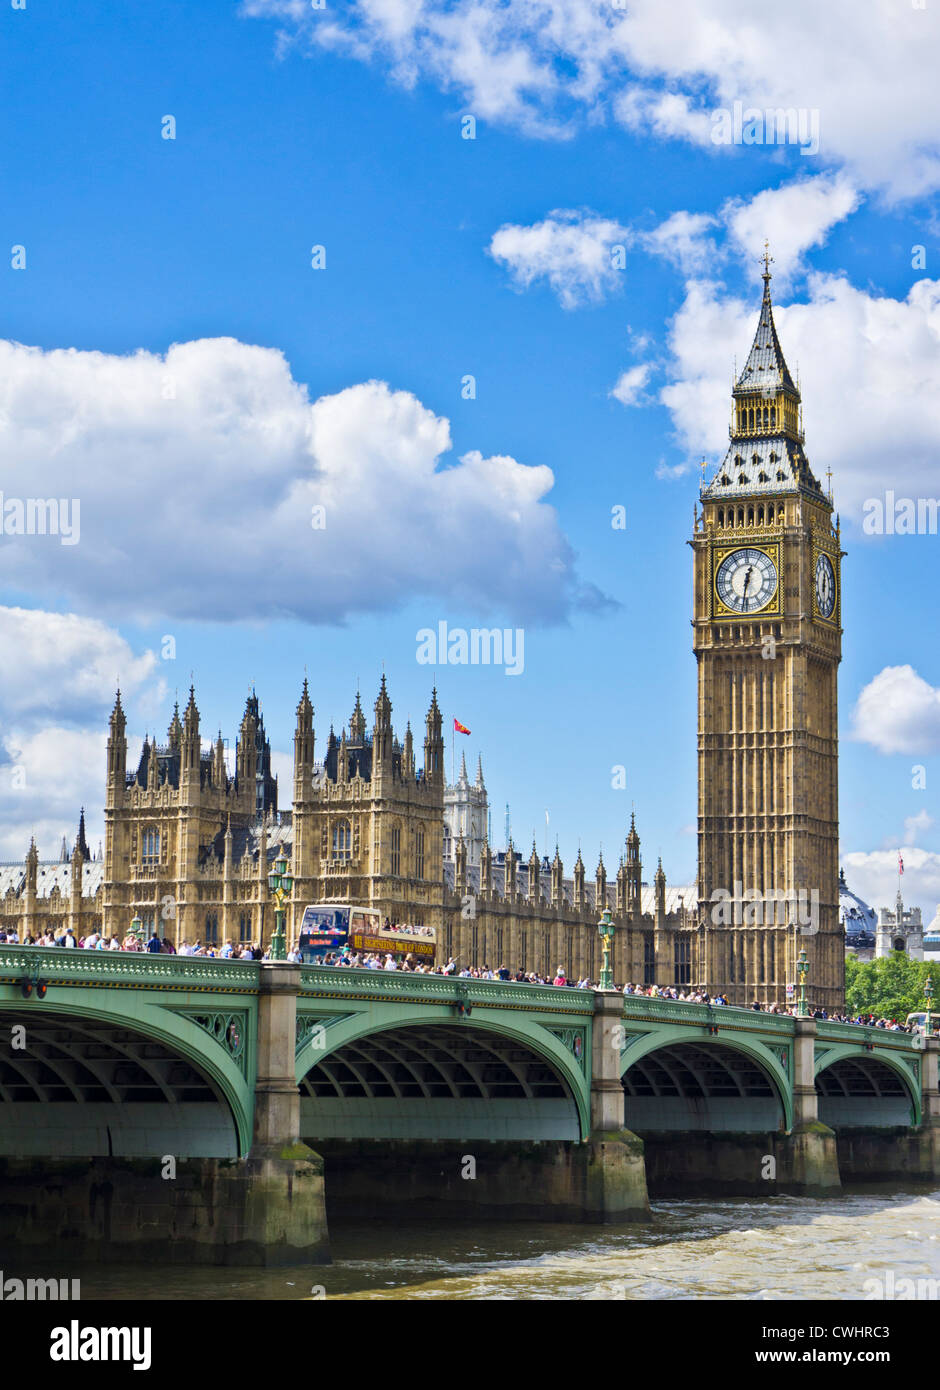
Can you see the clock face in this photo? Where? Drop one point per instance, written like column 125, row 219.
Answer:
column 825, row 586
column 746, row 580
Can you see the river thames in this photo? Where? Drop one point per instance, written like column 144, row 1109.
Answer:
column 780, row 1249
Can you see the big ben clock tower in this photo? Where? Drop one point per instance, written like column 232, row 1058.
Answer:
column 767, row 639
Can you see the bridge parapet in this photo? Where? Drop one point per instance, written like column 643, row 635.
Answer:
column 860, row 1035
column 392, row 985
column 639, row 1007
column 109, row 968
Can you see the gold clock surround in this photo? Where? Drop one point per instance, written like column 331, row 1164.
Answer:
column 720, row 610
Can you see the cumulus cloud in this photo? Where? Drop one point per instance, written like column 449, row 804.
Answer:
column 795, row 217
column 55, row 692
column 916, row 826
column 683, row 239
column 898, row 712
column 628, row 389
column 65, row 666
column 877, row 356
column 549, row 66
column 214, row 488
column 578, row 254
column 873, row 875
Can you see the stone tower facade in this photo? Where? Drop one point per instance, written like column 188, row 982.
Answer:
column 767, row 638
column 466, row 812
column 163, row 820
column 367, row 825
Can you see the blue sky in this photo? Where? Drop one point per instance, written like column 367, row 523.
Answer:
column 448, row 257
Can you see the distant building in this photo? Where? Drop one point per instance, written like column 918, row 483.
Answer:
column 932, row 938
column 900, row 929
column 466, row 811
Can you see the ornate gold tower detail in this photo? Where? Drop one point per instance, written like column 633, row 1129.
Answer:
column 767, row 638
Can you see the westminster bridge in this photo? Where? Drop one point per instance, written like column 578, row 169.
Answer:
column 195, row 1108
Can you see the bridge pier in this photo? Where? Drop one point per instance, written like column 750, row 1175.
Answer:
column 615, row 1167
column 279, row 1187
column 811, row 1150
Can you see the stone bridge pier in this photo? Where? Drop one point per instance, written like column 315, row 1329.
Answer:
column 275, row 1196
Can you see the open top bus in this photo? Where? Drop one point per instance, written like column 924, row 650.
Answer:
column 330, row 927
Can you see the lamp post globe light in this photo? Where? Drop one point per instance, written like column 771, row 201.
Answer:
column 802, row 969
column 136, row 926
column 928, row 995
column 280, row 883
column 606, row 928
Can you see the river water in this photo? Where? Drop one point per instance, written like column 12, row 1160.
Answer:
column 787, row 1248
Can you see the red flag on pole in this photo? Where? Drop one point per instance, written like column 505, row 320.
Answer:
column 460, row 728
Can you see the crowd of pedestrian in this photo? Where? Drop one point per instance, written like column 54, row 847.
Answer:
column 346, row 958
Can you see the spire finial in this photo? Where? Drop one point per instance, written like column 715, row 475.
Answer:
column 768, row 260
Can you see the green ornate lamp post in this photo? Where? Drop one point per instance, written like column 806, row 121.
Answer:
column 280, row 884
column 802, row 969
column 606, row 928
column 136, row 925
column 928, row 995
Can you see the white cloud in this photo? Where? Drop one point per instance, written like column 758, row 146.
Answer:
column 45, row 776
column 56, row 687
column 628, row 389
column 683, row 239
column 916, row 826
column 574, row 252
column 198, row 474
column 878, row 357
column 65, row 665
column 547, row 66
column 898, row 712
column 669, row 472
column 873, row 875
column 795, row 217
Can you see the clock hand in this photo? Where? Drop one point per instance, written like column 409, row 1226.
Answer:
column 747, row 580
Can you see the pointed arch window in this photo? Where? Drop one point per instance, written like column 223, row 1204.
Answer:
column 419, row 854
column 396, row 850
column 342, row 840
column 150, row 846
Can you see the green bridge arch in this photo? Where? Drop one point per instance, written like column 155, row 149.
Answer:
column 655, row 1039
column 383, row 1019
column 897, row 1063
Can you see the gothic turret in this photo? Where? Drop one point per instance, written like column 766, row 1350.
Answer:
column 303, row 746
column 357, row 723
column 117, row 747
column 660, row 882
column 634, row 868
column 190, row 747
column 81, row 844
column 600, row 884
column 382, row 733
column 175, row 731
column 580, row 898
column 558, row 879
column 535, row 889
column 433, row 745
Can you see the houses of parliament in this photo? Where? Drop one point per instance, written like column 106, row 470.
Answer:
column 189, row 840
